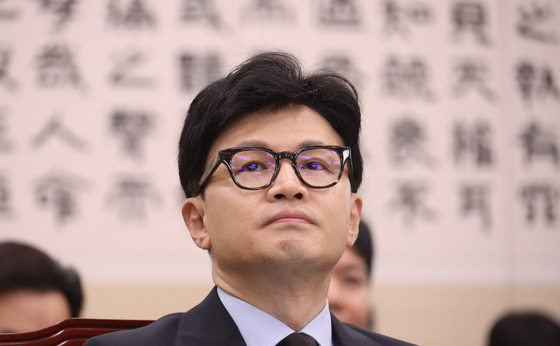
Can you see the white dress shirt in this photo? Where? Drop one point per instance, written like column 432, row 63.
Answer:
column 261, row 329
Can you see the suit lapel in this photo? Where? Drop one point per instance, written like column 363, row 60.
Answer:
column 209, row 324
column 346, row 336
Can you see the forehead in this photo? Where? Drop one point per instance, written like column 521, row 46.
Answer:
column 285, row 129
column 27, row 310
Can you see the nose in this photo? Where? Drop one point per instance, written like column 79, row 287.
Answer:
column 287, row 185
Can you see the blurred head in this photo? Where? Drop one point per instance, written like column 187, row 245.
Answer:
column 35, row 291
column 349, row 291
column 525, row 328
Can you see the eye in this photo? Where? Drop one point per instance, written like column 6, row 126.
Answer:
column 250, row 167
column 253, row 166
column 313, row 166
column 354, row 281
column 317, row 160
column 252, row 162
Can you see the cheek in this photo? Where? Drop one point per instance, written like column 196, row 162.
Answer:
column 360, row 299
column 340, row 219
column 357, row 298
column 222, row 218
column 222, row 208
column 358, row 307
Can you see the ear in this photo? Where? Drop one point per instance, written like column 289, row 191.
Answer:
column 355, row 216
column 193, row 215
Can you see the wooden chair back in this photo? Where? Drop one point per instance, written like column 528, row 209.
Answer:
column 70, row 332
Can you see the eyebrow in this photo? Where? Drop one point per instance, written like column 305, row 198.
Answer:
column 353, row 266
column 259, row 143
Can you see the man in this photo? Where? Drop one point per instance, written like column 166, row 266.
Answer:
column 269, row 160
column 35, row 291
column 349, row 291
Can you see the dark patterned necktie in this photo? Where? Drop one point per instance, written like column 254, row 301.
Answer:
column 297, row 339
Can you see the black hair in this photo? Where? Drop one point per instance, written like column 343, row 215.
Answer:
column 25, row 267
column 272, row 80
column 525, row 328
column 364, row 245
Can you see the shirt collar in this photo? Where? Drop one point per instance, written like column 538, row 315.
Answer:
column 261, row 329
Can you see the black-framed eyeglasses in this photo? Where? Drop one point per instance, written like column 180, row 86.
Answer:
column 255, row 168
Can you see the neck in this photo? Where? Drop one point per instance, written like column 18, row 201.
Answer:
column 293, row 298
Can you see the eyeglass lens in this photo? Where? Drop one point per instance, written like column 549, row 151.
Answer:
column 255, row 168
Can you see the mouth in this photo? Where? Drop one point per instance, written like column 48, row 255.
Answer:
column 290, row 216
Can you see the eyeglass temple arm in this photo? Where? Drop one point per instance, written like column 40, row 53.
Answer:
column 209, row 171
column 347, row 157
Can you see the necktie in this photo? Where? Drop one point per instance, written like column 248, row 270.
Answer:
column 297, row 339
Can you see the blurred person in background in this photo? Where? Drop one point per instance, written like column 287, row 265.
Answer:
column 349, row 290
column 525, row 329
column 35, row 290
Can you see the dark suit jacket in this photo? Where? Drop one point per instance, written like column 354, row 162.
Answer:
column 209, row 324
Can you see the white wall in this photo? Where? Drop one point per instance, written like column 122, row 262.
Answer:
column 56, row 119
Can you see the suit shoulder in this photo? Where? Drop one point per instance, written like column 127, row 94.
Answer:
column 371, row 338
column 160, row 332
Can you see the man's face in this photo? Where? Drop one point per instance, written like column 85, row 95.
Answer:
column 26, row 310
column 349, row 290
column 285, row 224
